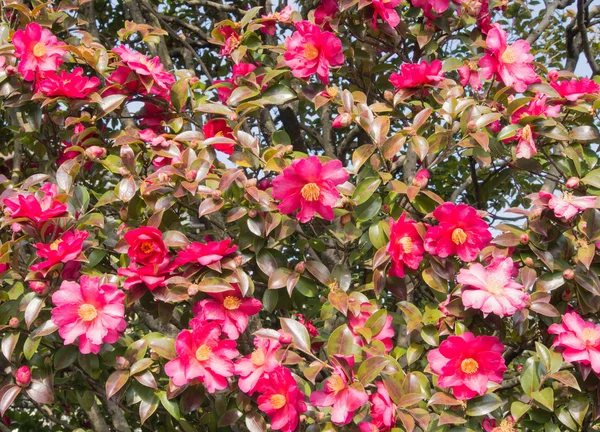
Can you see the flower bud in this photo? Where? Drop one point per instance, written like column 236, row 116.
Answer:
column 192, row 290
column 124, row 214
column 39, row 287
column 342, row 121
column 95, row 152
column 421, row 178
column 524, row 238
column 194, row 80
column 567, row 295
column 14, row 322
column 23, row 376
column 216, row 194
column 191, row 175
column 264, row 184
column 10, row 70
column 553, row 75
column 122, row 363
column 300, row 267
column 252, row 213
column 285, row 339
column 529, row 262
column 569, row 274
column 573, row 183
column 163, row 177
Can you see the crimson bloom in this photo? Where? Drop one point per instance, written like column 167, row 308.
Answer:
column 340, row 393
column 405, row 246
column 469, row 74
column 510, row 63
column 228, row 308
column 460, row 232
column 202, row 354
column 38, row 49
column 36, row 210
column 257, row 366
column 438, row 6
column 282, row 400
column 467, row 363
column 310, row 186
column 312, row 51
column 325, row 13
column 205, row 253
column 383, row 410
column 238, row 71
column 90, row 311
column 357, row 322
column 415, row 75
column 566, row 206
column 68, row 84
column 65, row 249
column 219, row 128
column 152, row 276
column 146, row 245
column 579, row 339
column 492, row 289
column 386, row 9
column 575, row 89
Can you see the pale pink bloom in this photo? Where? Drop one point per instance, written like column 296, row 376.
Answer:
column 526, row 148
column 565, row 206
column 492, row 289
column 469, row 74
column 254, row 367
column 38, row 49
column 580, row 340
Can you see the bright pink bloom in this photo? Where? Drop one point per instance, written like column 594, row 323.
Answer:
column 536, row 108
column 340, row 392
column 308, row 324
column 202, row 354
column 510, row 63
column 356, row 322
column 469, row 74
column 239, row 71
column 228, row 308
column 575, row 89
column 438, row 6
column 282, row 16
column 232, row 40
column 146, row 246
column 383, row 410
column 152, row 276
column 282, row 400
column 415, row 75
column 467, row 363
column 405, row 246
column 325, row 13
column 312, row 51
column 484, row 18
column 461, row 232
column 90, row 311
column 65, row 249
column 23, row 376
column 38, row 49
column 310, row 186
column 565, row 206
column 580, row 340
column 257, row 366
column 156, row 141
column 492, row 289
column 526, row 148
column 205, row 253
column 219, row 129
column 37, row 210
column 68, row 84
column 421, row 178
column 386, row 9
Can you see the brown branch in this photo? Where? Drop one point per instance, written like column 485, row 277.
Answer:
column 548, row 18
column 45, row 411
column 327, row 136
column 214, row 5
column 581, row 17
column 288, row 117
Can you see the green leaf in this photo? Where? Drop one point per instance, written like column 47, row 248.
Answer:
column 65, row 357
column 483, row 405
column 277, row 95
column 298, row 332
column 518, row 409
column 341, row 341
column 545, row 397
column 592, row 178
column 115, row 382
column 371, row 368
column 171, row 406
column 179, row 93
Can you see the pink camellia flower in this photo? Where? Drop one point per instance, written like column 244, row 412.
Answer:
column 156, row 141
column 383, row 410
column 536, row 108
column 219, row 128
column 38, row 211
column 386, row 9
column 575, row 89
column 467, row 363
column 205, row 253
column 405, row 246
column 310, row 186
column 65, row 249
column 282, row 400
column 228, row 308
column 312, row 51
column 23, row 376
column 325, row 13
column 438, row 6
column 526, row 148
column 491, row 425
column 415, row 75
column 202, row 354
column 283, row 16
column 146, row 246
column 461, row 232
column 510, row 63
column 232, row 40
column 68, row 84
column 257, row 366
column 90, row 311
column 492, row 289
column 308, row 324
column 566, row 206
column 579, row 339
column 38, row 49
column 357, row 322
column 421, row 178
column 469, row 74
column 39, row 287
column 341, row 393
column 484, row 18
column 151, row 276
column 238, row 71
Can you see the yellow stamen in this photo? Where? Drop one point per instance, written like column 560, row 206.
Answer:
column 509, row 55
column 278, row 401
column 407, row 244
column 147, row 247
column 232, row 303
column 87, row 312
column 54, row 245
column 311, row 52
column 469, row 366
column 311, row 192
column 258, row 357
column 495, row 286
column 336, row 383
column 459, row 236
column 505, row 426
column 39, row 49
column 591, row 336
column 203, row 353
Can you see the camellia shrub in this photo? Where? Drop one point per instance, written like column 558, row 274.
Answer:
column 357, row 216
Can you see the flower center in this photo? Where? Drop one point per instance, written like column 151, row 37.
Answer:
column 219, row 134
column 336, row 383
column 258, row 357
column 311, row 192
column 87, row 312
column 590, row 336
column 509, row 55
column 495, row 286
column 39, row 49
column 232, row 303
column 407, row 244
column 54, row 245
column 203, row 353
column 147, row 247
column 311, row 52
column 458, row 236
column 278, row 401
column 505, row 426
column 526, row 133
column 469, row 366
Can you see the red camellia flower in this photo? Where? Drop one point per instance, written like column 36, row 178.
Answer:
column 357, row 322
column 90, row 311
column 282, row 400
column 460, row 232
column 383, row 410
column 386, row 9
column 325, row 13
column 340, row 392
column 38, row 49
column 415, row 75
column 257, row 366
column 510, row 63
column 405, row 246
column 238, row 71
column 202, row 354
column 310, row 186
column 68, row 84
column 36, row 210
column 146, row 246
column 229, row 308
column 152, row 276
column 467, row 363
column 219, row 129
column 65, row 249
column 575, row 89
column 312, row 51
column 579, row 340
column 23, row 376
column 205, row 253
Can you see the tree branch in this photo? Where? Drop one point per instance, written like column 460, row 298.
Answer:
column 548, row 18
column 581, row 18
